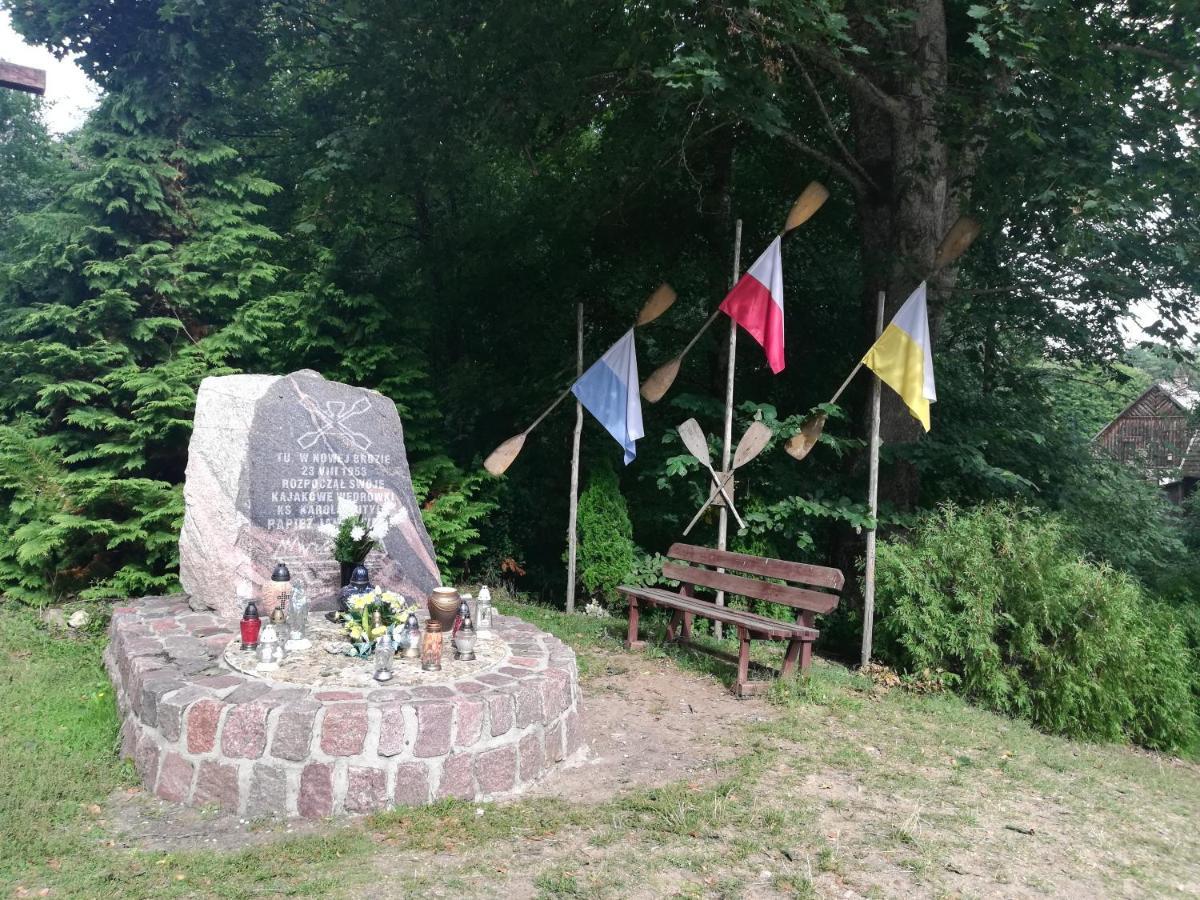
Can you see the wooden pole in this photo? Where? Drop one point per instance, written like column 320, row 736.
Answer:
column 727, row 448
column 572, row 516
column 872, row 499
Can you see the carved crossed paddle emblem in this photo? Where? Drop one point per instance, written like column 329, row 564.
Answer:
column 332, row 420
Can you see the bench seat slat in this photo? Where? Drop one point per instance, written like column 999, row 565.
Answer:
column 801, row 598
column 758, row 625
column 802, row 573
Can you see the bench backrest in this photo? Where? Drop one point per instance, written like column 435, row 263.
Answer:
column 803, row 598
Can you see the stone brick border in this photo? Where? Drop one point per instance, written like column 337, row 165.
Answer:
column 202, row 734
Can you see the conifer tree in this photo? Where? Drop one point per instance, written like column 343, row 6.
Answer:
column 137, row 280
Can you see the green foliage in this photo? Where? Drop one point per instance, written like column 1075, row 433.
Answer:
column 346, row 547
column 453, row 506
column 606, row 554
column 1000, row 597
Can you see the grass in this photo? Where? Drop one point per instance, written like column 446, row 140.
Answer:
column 837, row 787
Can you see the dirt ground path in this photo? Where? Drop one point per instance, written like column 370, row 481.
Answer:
column 854, row 794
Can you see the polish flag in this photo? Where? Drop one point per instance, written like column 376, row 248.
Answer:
column 756, row 303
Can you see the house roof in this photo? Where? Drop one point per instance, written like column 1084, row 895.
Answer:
column 1188, row 399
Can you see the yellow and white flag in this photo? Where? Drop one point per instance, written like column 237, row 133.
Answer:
column 903, row 356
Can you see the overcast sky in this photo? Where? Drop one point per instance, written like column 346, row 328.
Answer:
column 69, row 93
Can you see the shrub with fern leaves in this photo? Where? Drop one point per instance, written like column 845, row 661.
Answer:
column 1001, row 597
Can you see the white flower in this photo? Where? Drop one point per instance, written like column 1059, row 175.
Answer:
column 387, row 508
column 379, row 529
column 328, row 529
column 346, row 508
column 357, row 533
column 401, row 515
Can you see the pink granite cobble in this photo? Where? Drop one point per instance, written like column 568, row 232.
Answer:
column 204, row 735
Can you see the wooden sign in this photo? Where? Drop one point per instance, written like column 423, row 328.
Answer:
column 22, row 78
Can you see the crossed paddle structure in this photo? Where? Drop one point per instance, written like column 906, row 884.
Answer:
column 757, row 437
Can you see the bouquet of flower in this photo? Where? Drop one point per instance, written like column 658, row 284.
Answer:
column 370, row 616
column 353, row 536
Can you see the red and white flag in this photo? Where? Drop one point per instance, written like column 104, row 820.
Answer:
column 756, row 303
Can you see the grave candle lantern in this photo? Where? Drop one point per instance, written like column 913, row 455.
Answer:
column 281, row 585
column 464, row 640
column 431, row 647
column 279, row 626
column 483, row 612
column 360, row 583
column 251, row 625
column 297, row 620
column 385, row 651
column 411, row 638
column 270, row 651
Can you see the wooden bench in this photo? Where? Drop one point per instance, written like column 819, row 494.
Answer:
column 815, row 597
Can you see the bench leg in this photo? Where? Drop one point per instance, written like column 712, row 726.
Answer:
column 632, row 642
column 743, row 666
column 809, row 619
column 674, row 624
column 687, row 626
column 790, row 658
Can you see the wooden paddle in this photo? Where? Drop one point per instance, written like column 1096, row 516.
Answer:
column 697, row 445
column 757, row 437
column 953, row 245
column 503, row 456
column 661, row 379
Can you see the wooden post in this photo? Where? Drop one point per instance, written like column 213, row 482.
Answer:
column 872, row 499
column 571, row 518
column 22, row 78
column 727, row 448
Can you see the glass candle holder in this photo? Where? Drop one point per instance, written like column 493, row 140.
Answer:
column 297, row 620
column 464, row 640
column 281, row 585
column 279, row 623
column 431, row 647
column 411, row 639
column 483, row 611
column 385, row 651
column 251, row 626
column 270, row 652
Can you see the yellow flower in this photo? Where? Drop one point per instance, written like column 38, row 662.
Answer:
column 356, row 633
column 358, row 601
column 378, row 631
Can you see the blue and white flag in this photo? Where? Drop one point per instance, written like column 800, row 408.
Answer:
column 609, row 390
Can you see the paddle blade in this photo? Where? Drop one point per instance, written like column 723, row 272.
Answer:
column 806, row 204
column 800, row 443
column 756, row 437
column 654, row 387
column 657, row 304
column 960, row 236
column 502, row 457
column 695, row 441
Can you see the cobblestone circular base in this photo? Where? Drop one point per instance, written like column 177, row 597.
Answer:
column 204, row 734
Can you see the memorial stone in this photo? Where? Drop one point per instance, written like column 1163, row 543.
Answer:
column 272, row 462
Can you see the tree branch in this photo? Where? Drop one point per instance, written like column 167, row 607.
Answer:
column 1162, row 56
column 856, row 182
column 855, row 80
column 829, row 126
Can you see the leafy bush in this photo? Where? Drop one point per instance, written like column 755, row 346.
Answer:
column 606, row 550
column 1001, row 597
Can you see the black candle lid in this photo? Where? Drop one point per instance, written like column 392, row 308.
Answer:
column 281, row 573
column 251, row 611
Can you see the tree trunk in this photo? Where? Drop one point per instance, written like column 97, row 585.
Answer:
column 903, row 218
